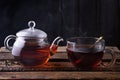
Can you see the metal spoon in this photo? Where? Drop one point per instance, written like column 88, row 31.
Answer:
column 98, row 40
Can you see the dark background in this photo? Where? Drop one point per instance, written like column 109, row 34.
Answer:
column 63, row 17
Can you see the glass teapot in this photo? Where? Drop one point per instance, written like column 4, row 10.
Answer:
column 31, row 46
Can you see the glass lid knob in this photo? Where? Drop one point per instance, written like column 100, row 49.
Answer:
column 31, row 24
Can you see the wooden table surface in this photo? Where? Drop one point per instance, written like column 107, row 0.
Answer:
column 58, row 67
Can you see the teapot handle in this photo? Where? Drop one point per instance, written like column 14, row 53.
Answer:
column 54, row 45
column 6, row 41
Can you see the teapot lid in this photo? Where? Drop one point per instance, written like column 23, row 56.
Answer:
column 31, row 31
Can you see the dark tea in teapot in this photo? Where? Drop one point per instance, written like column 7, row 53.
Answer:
column 34, row 55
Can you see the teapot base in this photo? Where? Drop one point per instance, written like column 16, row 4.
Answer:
column 31, row 62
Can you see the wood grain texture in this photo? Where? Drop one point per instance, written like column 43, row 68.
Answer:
column 60, row 75
column 58, row 67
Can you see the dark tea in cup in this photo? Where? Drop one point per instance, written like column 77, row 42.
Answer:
column 84, row 59
column 82, row 55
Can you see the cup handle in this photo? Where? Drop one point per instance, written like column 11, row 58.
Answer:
column 118, row 57
column 113, row 55
column 6, row 41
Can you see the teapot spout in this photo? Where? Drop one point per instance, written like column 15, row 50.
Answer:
column 54, row 45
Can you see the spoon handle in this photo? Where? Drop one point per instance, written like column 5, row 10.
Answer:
column 98, row 40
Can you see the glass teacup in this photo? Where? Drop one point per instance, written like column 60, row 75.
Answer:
column 82, row 54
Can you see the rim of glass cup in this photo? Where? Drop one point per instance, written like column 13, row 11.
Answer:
column 73, row 42
column 93, row 39
column 81, row 38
